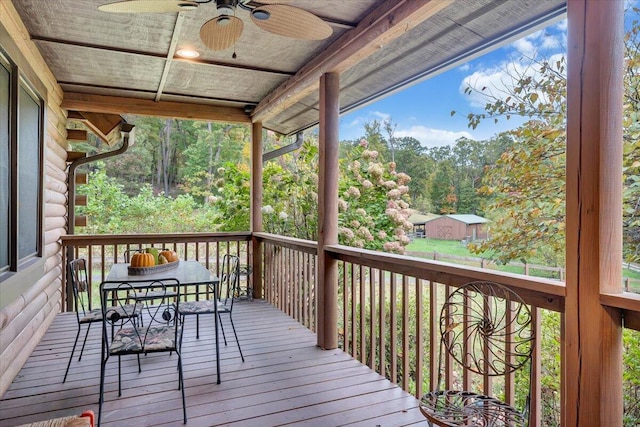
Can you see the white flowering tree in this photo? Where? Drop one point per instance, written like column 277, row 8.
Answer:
column 373, row 202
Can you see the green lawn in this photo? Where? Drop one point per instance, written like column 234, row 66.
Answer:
column 454, row 247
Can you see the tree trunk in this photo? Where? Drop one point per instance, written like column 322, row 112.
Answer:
column 166, row 152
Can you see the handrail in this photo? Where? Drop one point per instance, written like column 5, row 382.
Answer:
column 308, row 246
column 103, row 239
column 101, row 251
column 544, row 293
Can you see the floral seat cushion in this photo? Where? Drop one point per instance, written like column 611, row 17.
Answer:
column 142, row 340
column 197, row 307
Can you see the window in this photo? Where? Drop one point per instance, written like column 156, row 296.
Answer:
column 4, row 167
column 21, row 172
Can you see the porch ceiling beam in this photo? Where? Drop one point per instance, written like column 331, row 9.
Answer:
column 177, row 27
column 385, row 23
column 198, row 61
column 148, row 107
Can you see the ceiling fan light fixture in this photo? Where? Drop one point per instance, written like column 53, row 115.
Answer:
column 261, row 15
column 187, row 53
column 223, row 20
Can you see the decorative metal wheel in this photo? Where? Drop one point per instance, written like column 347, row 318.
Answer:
column 461, row 408
column 487, row 328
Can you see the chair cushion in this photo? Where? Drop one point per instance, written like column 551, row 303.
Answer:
column 125, row 311
column 464, row 408
column 197, row 307
column 133, row 340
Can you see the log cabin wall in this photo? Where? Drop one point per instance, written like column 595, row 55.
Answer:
column 31, row 298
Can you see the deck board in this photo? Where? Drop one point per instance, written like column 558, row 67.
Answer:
column 285, row 380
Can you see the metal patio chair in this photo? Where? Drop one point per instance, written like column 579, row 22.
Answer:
column 227, row 287
column 78, row 279
column 487, row 329
column 162, row 332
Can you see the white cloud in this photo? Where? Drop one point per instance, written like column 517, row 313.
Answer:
column 496, row 81
column 541, row 41
column 464, row 68
column 381, row 115
column 432, row 137
column 525, row 46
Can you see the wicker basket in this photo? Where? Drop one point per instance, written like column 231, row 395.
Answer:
column 141, row 271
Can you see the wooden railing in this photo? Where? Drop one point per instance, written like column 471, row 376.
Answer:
column 290, row 276
column 389, row 308
column 101, row 251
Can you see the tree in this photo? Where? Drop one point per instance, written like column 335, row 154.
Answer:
column 373, row 136
column 411, row 158
column 443, row 190
column 525, row 189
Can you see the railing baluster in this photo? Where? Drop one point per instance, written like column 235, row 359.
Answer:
column 352, row 313
column 393, row 329
column 372, row 320
column 405, row 332
column 509, row 380
column 382, row 303
column 434, row 337
column 419, row 338
column 536, row 377
column 363, row 322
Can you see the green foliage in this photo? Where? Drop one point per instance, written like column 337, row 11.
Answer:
column 112, row 212
column 373, row 135
column 106, row 204
column 631, row 377
column 290, row 202
column 525, row 189
column 232, row 200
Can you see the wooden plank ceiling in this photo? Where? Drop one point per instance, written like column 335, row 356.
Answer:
column 378, row 46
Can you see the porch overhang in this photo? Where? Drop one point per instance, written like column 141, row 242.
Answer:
column 119, row 63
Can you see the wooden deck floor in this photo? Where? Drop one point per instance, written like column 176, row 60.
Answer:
column 285, row 380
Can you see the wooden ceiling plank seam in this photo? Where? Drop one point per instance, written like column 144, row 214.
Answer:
column 384, row 23
column 122, row 105
column 177, row 27
column 159, row 55
column 37, row 38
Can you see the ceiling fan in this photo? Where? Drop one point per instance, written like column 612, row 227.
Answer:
column 224, row 30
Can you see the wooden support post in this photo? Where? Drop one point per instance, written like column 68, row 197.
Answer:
column 328, row 210
column 593, row 340
column 256, row 207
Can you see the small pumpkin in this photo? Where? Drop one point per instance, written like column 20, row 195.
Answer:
column 142, row 260
column 171, row 256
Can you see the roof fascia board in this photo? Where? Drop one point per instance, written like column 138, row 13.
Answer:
column 386, row 22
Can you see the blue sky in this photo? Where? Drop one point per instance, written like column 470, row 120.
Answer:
column 423, row 110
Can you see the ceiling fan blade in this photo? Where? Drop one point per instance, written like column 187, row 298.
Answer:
column 221, row 32
column 149, row 6
column 291, row 22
